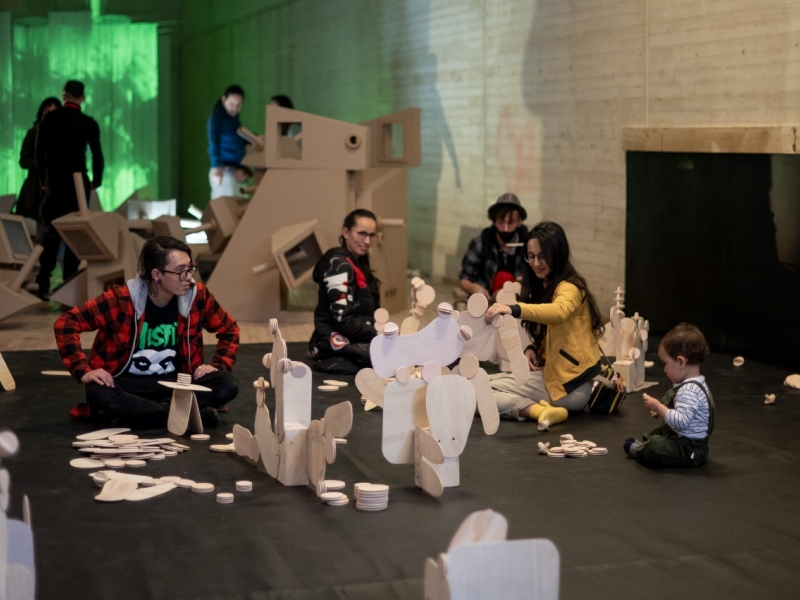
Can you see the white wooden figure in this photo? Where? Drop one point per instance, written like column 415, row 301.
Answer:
column 439, row 341
column 271, row 361
column 481, row 563
column 403, row 410
column 450, row 403
column 295, row 404
column 512, row 345
column 629, row 364
column 477, row 376
column 422, row 296
column 6, row 379
column 184, row 413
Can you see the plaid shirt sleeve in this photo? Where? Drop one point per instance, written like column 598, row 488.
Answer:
column 93, row 315
column 216, row 320
column 472, row 269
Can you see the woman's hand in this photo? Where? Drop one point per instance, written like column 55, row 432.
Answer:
column 497, row 309
column 533, row 362
column 242, row 175
column 216, row 172
column 203, row 370
column 98, row 376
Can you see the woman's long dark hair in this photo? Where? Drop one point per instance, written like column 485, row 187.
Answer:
column 155, row 255
column 363, row 261
column 230, row 90
column 555, row 251
column 50, row 101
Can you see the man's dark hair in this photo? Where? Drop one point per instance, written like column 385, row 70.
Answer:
column 74, row 88
column 155, row 255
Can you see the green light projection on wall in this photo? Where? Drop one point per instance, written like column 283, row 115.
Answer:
column 117, row 61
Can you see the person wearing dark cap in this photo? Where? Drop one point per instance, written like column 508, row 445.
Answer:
column 60, row 152
column 497, row 255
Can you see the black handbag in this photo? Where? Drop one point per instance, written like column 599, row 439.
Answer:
column 608, row 393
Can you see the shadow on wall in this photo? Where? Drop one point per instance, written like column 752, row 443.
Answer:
column 415, row 81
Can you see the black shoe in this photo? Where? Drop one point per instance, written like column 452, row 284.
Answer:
column 209, row 417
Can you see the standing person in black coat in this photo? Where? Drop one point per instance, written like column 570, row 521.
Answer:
column 60, row 152
column 30, row 196
column 349, row 293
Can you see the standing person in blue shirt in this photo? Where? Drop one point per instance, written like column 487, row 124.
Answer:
column 226, row 148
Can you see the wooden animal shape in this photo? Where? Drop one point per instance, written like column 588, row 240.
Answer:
column 487, row 407
column 439, row 341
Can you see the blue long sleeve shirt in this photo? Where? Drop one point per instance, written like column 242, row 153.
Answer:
column 225, row 146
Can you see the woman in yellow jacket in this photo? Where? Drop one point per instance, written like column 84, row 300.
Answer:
column 562, row 318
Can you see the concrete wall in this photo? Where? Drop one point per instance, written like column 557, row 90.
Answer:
column 524, row 96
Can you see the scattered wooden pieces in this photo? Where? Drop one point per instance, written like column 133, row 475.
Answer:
column 116, row 490
column 145, row 493
column 335, row 382
column 792, row 381
column 86, row 463
column 202, row 488
column 769, row 398
column 102, row 434
column 328, row 388
column 244, row 486
column 223, row 448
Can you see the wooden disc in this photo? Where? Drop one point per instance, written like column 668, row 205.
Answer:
column 334, row 484
column 135, row 463
column 425, row 295
column 403, row 375
column 431, row 371
column 200, row 437
column 477, row 305
column 468, row 367
column 102, row 434
column 87, row 463
column 465, row 333
column 330, row 450
column 444, row 310
column 229, row 436
column 328, row 388
column 381, row 315
column 738, row 361
column 122, row 438
column 224, row 497
column 202, row 488
column 114, row 463
column 391, row 330
column 244, row 486
column 222, row 448
column 331, row 496
column 335, row 382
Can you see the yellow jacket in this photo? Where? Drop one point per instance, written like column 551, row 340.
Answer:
column 570, row 346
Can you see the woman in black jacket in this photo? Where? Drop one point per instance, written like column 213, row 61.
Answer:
column 30, row 196
column 348, row 296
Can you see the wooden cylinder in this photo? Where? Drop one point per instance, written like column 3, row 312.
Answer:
column 211, row 225
column 16, row 285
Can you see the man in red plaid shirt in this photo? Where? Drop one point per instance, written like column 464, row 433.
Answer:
column 149, row 330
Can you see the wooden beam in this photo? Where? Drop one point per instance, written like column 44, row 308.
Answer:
column 777, row 139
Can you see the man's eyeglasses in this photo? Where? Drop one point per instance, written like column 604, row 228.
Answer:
column 185, row 274
column 363, row 235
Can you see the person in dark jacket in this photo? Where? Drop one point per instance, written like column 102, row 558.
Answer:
column 149, row 330
column 30, row 195
column 60, row 152
column 497, row 255
column 349, row 293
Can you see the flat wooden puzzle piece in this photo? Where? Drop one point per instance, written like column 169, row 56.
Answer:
column 297, row 387
column 293, row 467
column 435, row 583
column 145, row 493
column 267, row 441
column 403, row 411
column 481, row 526
column 487, row 407
column 371, row 385
column 316, row 453
column 180, row 409
column 482, row 341
column 241, row 440
column 438, row 341
column 6, row 379
column 102, row 434
column 426, row 446
column 338, row 419
column 510, row 569
column 450, row 402
column 426, row 477
column 278, row 353
column 409, row 325
column 509, row 338
column 116, row 490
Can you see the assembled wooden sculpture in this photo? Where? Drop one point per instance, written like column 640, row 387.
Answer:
column 184, row 412
column 296, row 449
column 426, row 420
column 626, row 339
column 422, row 296
column 330, row 168
column 481, row 563
column 104, row 241
column 17, row 569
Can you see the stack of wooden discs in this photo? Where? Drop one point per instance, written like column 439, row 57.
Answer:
column 334, row 498
column 556, row 452
column 371, row 496
column 224, row 497
column 597, row 451
column 111, row 448
column 202, row 488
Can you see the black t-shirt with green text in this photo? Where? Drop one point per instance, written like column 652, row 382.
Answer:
column 156, row 351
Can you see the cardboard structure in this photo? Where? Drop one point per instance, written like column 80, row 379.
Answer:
column 481, row 563
column 12, row 297
column 295, row 451
column 17, row 568
column 104, row 241
column 328, row 168
column 15, row 241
